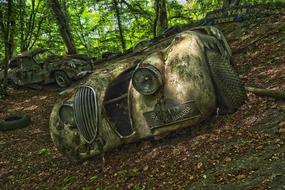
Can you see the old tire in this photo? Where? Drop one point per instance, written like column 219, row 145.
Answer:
column 229, row 88
column 61, row 79
column 13, row 122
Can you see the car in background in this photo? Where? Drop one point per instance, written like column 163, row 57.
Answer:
column 174, row 83
column 41, row 66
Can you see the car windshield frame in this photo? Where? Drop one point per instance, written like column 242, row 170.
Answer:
column 41, row 61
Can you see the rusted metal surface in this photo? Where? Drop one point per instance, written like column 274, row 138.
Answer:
column 186, row 97
column 38, row 66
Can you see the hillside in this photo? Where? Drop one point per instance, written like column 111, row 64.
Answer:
column 245, row 150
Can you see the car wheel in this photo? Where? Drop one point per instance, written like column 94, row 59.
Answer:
column 13, row 122
column 229, row 88
column 61, row 79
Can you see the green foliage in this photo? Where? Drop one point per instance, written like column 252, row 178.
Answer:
column 138, row 187
column 93, row 178
column 45, row 152
column 94, row 25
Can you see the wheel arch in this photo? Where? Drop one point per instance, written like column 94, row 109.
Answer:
column 51, row 75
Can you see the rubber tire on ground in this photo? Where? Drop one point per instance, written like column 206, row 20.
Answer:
column 229, row 88
column 61, row 75
column 13, row 122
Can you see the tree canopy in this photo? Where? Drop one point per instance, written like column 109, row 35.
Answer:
column 94, row 27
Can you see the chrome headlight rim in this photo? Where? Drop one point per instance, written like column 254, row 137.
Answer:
column 70, row 121
column 155, row 74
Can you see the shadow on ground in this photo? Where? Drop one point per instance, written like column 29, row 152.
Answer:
column 244, row 150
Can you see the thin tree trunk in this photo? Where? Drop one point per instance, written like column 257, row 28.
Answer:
column 21, row 19
column 226, row 3
column 63, row 25
column 161, row 20
column 236, row 2
column 229, row 3
column 31, row 33
column 138, row 10
column 8, row 30
column 30, row 29
column 118, row 16
column 81, row 34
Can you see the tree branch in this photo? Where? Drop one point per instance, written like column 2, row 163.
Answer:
column 138, row 11
column 266, row 92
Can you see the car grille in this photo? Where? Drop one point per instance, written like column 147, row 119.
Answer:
column 86, row 113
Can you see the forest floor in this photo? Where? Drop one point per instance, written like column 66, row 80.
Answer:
column 245, row 150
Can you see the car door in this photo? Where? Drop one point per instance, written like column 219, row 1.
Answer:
column 44, row 59
column 30, row 72
column 14, row 74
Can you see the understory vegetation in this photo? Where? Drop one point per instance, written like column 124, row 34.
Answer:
column 244, row 150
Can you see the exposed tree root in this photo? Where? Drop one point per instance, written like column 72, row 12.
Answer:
column 267, row 92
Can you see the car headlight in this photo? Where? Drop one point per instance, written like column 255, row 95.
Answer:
column 147, row 80
column 66, row 115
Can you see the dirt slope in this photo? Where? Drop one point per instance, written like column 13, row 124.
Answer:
column 245, row 150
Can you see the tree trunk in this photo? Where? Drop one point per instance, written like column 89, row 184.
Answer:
column 160, row 21
column 138, row 10
column 7, row 27
column 22, row 14
column 229, row 3
column 123, row 42
column 63, row 25
column 30, row 28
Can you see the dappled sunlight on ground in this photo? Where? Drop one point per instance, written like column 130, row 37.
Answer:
column 244, row 150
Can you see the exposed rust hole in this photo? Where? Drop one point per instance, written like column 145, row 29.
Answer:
column 116, row 104
column 178, row 38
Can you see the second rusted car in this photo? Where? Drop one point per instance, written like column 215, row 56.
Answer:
column 41, row 66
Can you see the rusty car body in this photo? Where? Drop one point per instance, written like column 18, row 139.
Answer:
column 176, row 82
column 41, row 66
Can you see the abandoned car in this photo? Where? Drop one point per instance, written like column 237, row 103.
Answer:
column 41, row 66
column 176, row 83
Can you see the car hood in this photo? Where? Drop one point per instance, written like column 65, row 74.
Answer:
column 77, row 59
column 79, row 56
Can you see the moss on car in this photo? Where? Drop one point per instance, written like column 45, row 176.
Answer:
column 172, row 84
column 41, row 66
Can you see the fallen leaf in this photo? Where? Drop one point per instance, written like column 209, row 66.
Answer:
column 131, row 185
column 282, row 130
column 282, row 123
column 241, row 176
column 250, row 120
column 145, row 168
column 228, row 159
column 199, row 165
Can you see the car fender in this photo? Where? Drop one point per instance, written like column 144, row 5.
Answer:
column 183, row 66
column 67, row 139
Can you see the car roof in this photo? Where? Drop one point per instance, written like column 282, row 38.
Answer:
column 30, row 53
